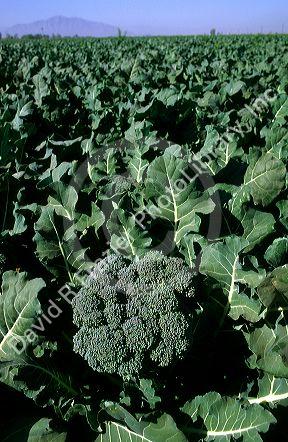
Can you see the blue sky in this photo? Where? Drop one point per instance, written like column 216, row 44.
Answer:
column 158, row 16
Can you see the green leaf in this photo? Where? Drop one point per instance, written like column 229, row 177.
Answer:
column 126, row 236
column 41, row 89
column 39, row 376
column 137, row 165
column 164, row 430
column 173, row 196
column 269, row 347
column 20, row 222
column 272, row 391
column 274, row 287
column 42, row 432
column 277, row 142
column 103, row 163
column 22, row 112
column 282, row 111
column 276, row 254
column 234, row 87
column 257, row 225
column 283, row 207
column 120, row 414
column 146, row 386
column 227, row 419
column 52, row 242
column 65, row 143
column 19, row 306
column 265, row 179
column 48, row 242
column 221, row 261
column 53, row 174
column 65, row 202
column 245, row 306
column 46, row 249
column 168, row 96
column 96, row 220
column 187, row 248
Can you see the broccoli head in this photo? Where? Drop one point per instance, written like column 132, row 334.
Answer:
column 134, row 317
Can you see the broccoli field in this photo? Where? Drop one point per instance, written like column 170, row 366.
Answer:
column 143, row 249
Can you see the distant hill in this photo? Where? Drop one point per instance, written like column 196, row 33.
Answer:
column 64, row 26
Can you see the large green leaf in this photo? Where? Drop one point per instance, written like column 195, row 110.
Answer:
column 65, row 201
column 272, row 391
column 277, row 142
column 96, row 220
column 54, row 242
column 221, row 261
column 42, row 432
column 23, row 111
column 226, row 418
column 173, row 196
column 41, row 88
column 146, row 386
column 257, row 225
column 137, row 165
column 49, row 238
column 19, row 307
column 282, row 111
column 276, row 254
column 265, row 179
column 103, row 163
column 274, row 288
column 127, row 237
column 233, row 87
column 164, row 430
column 269, row 347
column 187, row 247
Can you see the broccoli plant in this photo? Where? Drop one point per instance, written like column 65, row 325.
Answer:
column 134, row 317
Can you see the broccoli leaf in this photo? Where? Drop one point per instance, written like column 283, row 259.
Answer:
column 19, row 306
column 173, row 196
column 221, row 261
column 272, row 391
column 42, row 432
column 226, row 418
column 164, row 429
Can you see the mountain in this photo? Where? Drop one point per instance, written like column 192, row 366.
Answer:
column 64, row 26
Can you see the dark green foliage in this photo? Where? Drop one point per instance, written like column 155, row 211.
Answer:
column 98, row 139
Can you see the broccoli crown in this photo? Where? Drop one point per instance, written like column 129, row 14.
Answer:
column 134, row 316
column 120, row 184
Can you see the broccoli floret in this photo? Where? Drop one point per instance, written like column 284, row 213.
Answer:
column 134, row 317
column 119, row 184
column 107, row 357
